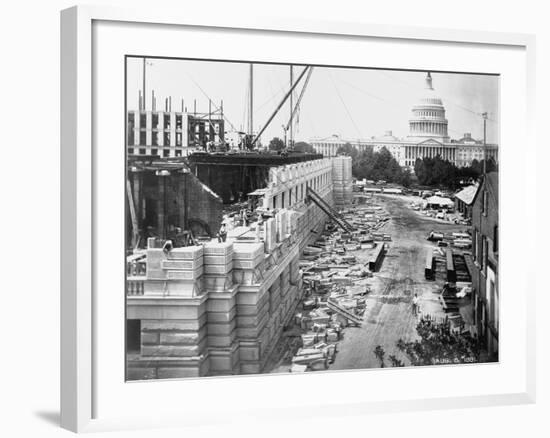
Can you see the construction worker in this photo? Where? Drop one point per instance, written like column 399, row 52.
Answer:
column 415, row 304
column 222, row 234
column 192, row 241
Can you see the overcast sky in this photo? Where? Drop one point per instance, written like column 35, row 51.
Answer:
column 352, row 103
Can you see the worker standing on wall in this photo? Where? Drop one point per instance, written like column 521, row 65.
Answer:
column 222, row 234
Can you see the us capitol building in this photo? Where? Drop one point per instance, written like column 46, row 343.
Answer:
column 427, row 137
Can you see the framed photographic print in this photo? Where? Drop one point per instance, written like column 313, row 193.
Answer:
column 256, row 208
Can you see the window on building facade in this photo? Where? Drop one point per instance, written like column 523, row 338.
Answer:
column 166, row 153
column 494, row 304
column 495, row 239
column 475, row 246
column 155, row 121
column 178, row 121
column 283, row 200
column 130, row 151
column 142, row 137
column 154, row 151
column 142, row 151
column 484, row 247
column 143, row 121
column 483, row 320
column 166, row 139
column 167, row 121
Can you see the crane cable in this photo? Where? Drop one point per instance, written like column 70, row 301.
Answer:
column 344, row 105
column 215, row 106
column 444, row 97
column 389, row 102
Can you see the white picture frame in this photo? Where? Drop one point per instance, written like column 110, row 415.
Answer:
column 81, row 365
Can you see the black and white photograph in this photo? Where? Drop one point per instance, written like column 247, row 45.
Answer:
column 287, row 218
column 275, row 219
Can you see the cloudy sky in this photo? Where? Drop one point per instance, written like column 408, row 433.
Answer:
column 352, row 103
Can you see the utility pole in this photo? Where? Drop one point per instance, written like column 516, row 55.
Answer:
column 251, row 101
column 484, row 115
column 210, row 130
column 144, row 94
column 291, row 136
column 186, row 202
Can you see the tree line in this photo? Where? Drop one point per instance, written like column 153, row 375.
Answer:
column 379, row 165
column 438, row 172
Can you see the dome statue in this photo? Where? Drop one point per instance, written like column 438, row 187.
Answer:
column 428, row 116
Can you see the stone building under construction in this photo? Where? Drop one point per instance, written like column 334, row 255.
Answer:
column 219, row 307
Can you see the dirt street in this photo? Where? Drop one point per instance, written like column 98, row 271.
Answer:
column 389, row 314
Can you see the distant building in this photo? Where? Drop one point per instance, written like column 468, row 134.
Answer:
column 464, row 200
column 329, row 146
column 428, row 137
column 485, row 249
column 170, row 134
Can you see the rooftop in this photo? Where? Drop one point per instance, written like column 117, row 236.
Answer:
column 467, row 194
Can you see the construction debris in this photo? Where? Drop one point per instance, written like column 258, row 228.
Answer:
column 336, row 269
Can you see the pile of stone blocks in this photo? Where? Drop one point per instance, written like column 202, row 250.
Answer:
column 175, row 272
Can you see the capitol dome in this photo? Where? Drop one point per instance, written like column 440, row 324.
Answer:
column 428, row 116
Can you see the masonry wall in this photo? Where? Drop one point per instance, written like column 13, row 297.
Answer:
column 173, row 315
column 287, row 189
column 220, row 308
column 216, row 309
